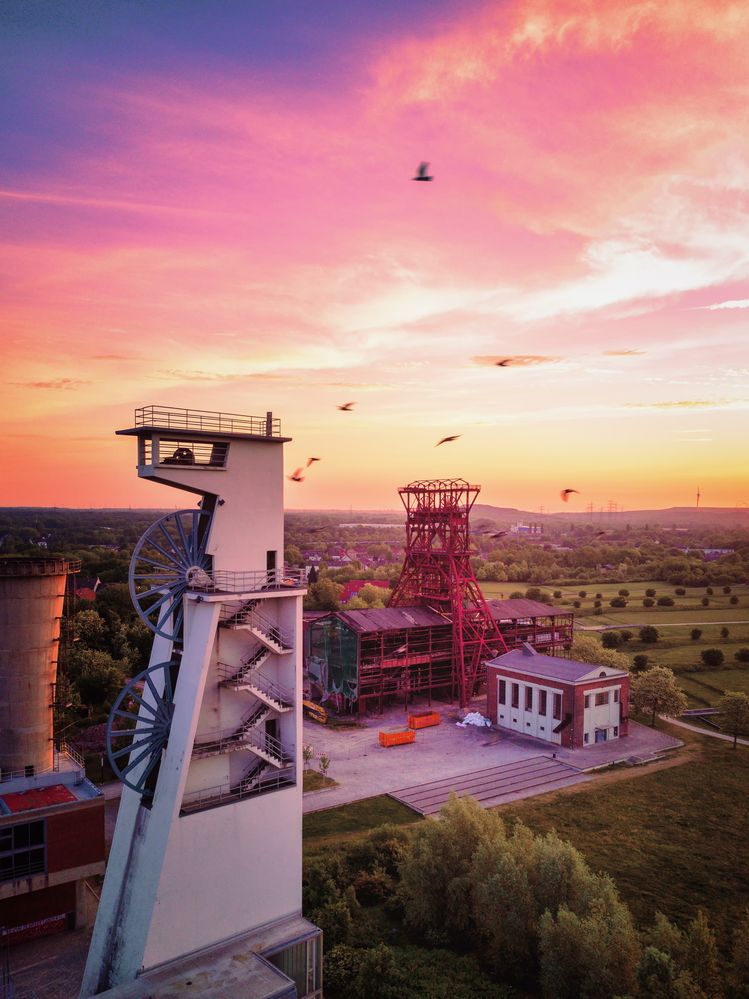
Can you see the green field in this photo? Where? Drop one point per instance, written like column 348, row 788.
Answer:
column 329, row 828
column 674, row 840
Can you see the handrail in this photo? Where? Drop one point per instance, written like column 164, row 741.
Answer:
column 207, row 797
column 39, row 566
column 64, row 749
column 176, row 418
column 251, row 581
column 269, row 687
column 248, row 614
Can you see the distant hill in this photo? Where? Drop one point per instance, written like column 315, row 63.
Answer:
column 673, row 516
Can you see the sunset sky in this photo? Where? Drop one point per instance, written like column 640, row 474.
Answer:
column 210, row 206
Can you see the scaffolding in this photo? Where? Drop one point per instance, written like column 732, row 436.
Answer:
column 437, row 573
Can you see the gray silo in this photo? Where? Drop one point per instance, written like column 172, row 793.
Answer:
column 32, row 594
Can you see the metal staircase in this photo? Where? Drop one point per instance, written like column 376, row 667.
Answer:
column 248, row 617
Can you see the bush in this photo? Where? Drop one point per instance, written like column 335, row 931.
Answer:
column 649, row 593
column 536, row 593
column 576, row 603
column 680, row 591
column 648, row 634
column 516, row 595
column 709, row 591
column 665, row 601
column 742, row 656
column 726, row 589
column 626, row 635
column 648, row 602
column 640, row 662
column 557, row 594
column 582, row 593
column 712, row 658
column 705, row 601
column 611, row 639
column 734, row 601
column 695, row 633
column 623, row 593
column 618, row 602
column 599, row 596
column 596, row 603
column 724, row 632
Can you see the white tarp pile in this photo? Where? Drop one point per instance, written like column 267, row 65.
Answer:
column 474, row 718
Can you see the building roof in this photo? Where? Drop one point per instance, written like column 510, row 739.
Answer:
column 38, row 797
column 503, row 610
column 391, row 618
column 527, row 660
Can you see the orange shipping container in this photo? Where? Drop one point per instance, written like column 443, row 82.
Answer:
column 424, row 719
column 397, row 737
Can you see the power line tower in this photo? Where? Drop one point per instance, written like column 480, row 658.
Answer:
column 437, row 573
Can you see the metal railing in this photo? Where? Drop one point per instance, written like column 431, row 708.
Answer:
column 64, row 749
column 229, row 673
column 248, row 614
column 235, row 740
column 175, row 418
column 39, row 566
column 256, row 678
column 251, row 581
column 195, row 801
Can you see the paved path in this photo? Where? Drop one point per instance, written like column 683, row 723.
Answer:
column 657, row 624
column 492, row 786
column 704, row 731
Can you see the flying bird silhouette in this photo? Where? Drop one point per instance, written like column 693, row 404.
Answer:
column 347, row 407
column 296, row 476
column 565, row 494
column 310, row 460
column 446, row 440
column 423, row 172
column 505, row 363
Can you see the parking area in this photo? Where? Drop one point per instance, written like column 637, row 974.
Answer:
column 363, row 768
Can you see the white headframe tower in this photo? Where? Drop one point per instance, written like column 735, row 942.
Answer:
column 207, row 846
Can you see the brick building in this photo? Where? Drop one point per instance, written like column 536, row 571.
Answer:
column 561, row 701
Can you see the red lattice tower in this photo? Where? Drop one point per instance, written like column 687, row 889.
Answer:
column 437, row 573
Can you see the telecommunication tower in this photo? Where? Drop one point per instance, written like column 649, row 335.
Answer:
column 437, row 573
column 207, row 846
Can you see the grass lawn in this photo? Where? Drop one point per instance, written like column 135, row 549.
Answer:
column 328, row 828
column 314, row 781
column 674, row 839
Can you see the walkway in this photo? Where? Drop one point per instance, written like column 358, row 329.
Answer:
column 656, row 624
column 704, row 731
column 493, row 786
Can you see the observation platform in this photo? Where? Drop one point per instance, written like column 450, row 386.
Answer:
column 203, row 424
column 213, row 586
column 20, row 568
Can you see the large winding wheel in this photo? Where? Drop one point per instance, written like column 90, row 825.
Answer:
column 168, row 558
column 138, row 726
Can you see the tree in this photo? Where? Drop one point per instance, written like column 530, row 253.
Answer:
column 649, row 634
column 623, row 593
column 648, row 602
column 611, row 639
column 724, row 632
column 307, row 753
column 324, row 595
column 640, row 663
column 680, row 591
column 97, row 676
column 734, row 600
column 740, row 953
column 712, row 658
column 293, row 555
column 91, row 628
column 710, row 591
column 701, row 956
column 726, row 589
column 742, row 656
column 618, row 602
column 656, row 692
column 705, row 601
column 626, row 635
column 324, row 763
column 582, row 594
column 695, row 634
column 650, row 593
column 734, row 713
column 665, row 601
column 587, row 649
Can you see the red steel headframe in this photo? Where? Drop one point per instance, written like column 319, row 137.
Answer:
column 437, row 573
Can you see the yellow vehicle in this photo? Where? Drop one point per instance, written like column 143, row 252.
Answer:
column 315, row 711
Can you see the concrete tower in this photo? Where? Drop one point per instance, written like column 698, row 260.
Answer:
column 32, row 594
column 207, row 847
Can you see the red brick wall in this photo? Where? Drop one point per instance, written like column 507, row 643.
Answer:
column 75, row 837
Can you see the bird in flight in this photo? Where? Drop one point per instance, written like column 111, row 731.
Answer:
column 565, row 494
column 504, row 363
column 347, row 407
column 423, row 172
column 311, row 460
column 296, row 476
column 446, row 440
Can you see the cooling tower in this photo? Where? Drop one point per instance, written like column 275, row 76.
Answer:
column 32, row 592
